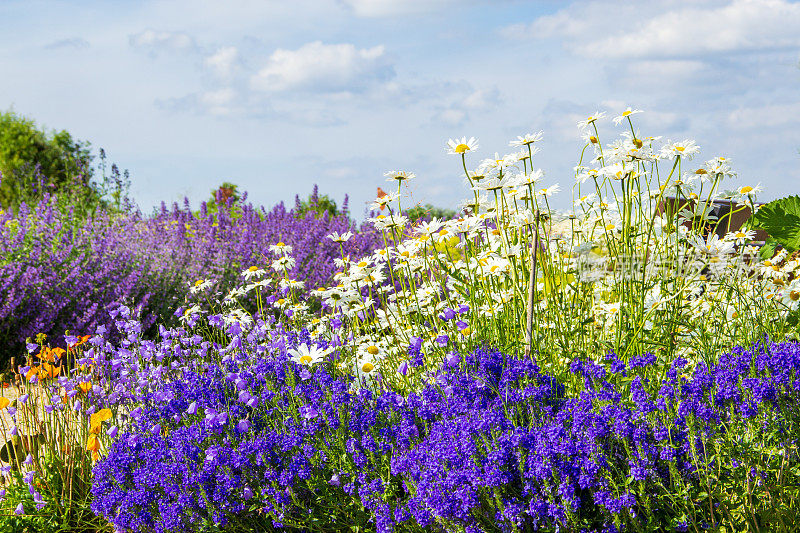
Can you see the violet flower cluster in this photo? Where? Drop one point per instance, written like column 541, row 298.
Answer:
column 59, row 272
column 253, row 439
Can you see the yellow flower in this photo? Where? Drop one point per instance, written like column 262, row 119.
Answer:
column 372, row 350
column 97, row 419
column 93, row 444
column 4, row 402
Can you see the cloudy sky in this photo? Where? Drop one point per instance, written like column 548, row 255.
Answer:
column 276, row 96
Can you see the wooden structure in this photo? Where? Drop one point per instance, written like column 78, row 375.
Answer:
column 730, row 215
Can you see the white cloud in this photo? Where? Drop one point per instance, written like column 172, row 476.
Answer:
column 73, row 42
column 386, row 8
column 458, row 112
column 670, row 29
column 160, row 40
column 219, row 102
column 223, row 62
column 323, row 67
column 451, row 117
column 769, row 116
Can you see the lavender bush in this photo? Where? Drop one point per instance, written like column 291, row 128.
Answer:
column 59, row 271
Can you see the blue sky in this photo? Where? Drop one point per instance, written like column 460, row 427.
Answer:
column 276, row 96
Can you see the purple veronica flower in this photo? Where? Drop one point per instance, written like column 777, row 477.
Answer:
column 308, row 412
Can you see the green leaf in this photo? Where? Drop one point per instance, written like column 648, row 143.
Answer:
column 781, row 220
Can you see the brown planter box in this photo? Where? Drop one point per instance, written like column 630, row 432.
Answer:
column 731, row 216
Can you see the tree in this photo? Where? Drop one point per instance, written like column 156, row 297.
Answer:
column 33, row 161
column 427, row 212
column 319, row 205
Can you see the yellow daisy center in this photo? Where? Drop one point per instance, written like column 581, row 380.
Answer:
column 746, row 189
column 461, row 148
column 372, row 350
column 367, row 367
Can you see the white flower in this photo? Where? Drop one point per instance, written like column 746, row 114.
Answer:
column 343, row 237
column 308, row 355
column 462, row 146
column 498, row 163
column 283, row 263
column 528, row 139
column 292, row 283
column 741, row 236
column 382, row 201
column 253, row 272
column 625, row 114
column 549, row 191
column 280, row 249
column 742, row 194
column 200, row 285
column 686, row 148
column 790, row 296
column 591, row 119
column 193, row 310
column 399, row 175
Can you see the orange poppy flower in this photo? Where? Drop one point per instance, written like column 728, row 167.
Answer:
column 4, row 402
column 93, row 444
column 46, row 354
column 85, row 386
column 81, row 340
column 58, row 352
column 97, row 419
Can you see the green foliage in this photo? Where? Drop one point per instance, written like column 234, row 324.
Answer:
column 67, row 501
column 781, row 220
column 317, row 204
column 34, row 162
column 227, row 194
column 428, row 211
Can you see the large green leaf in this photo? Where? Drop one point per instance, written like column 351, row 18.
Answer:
column 781, row 220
